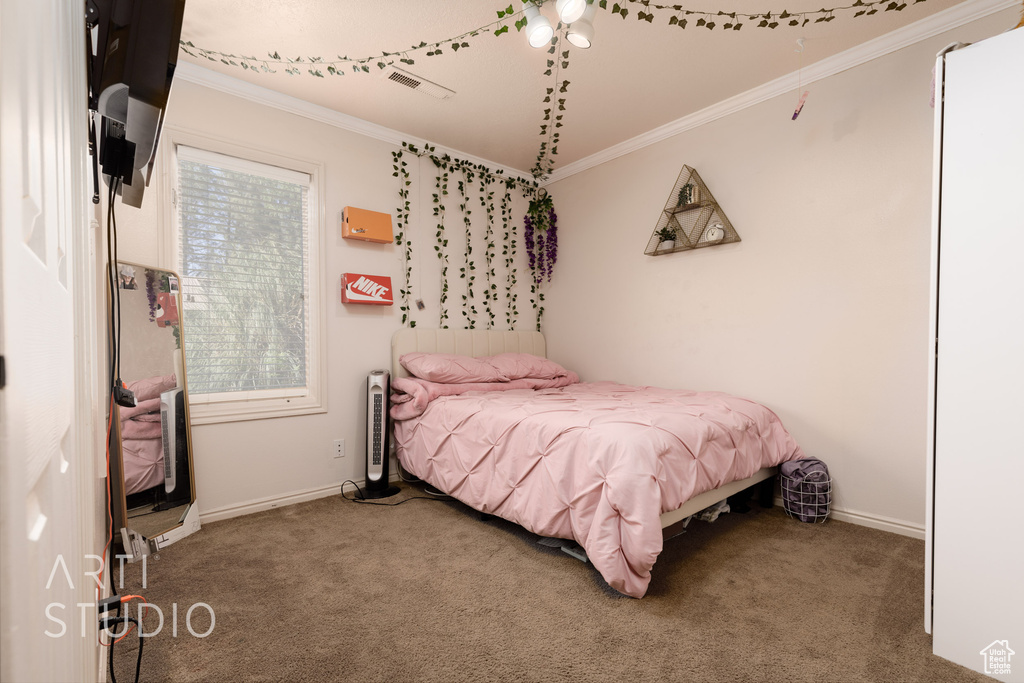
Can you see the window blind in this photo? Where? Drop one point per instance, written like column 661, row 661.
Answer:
column 244, row 232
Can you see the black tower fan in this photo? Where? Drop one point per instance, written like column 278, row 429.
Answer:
column 378, row 438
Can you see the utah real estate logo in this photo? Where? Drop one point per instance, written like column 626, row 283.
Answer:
column 997, row 658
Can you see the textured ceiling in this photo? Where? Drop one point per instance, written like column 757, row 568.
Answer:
column 637, row 76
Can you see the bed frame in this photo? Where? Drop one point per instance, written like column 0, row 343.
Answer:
column 492, row 342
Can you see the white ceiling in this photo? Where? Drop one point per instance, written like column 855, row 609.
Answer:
column 637, row 76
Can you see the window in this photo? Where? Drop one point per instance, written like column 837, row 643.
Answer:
column 248, row 256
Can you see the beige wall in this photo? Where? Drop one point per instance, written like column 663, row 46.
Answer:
column 243, row 463
column 820, row 312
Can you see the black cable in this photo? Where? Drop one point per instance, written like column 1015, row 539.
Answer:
column 116, row 182
column 362, row 497
column 110, row 286
column 138, row 661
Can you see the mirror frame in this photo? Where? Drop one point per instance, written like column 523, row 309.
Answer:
column 134, row 542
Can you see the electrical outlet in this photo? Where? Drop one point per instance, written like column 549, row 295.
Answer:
column 339, row 448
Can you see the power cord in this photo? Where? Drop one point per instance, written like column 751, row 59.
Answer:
column 119, row 395
column 114, row 603
column 361, row 498
column 113, row 621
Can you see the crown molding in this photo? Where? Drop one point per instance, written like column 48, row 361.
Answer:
column 940, row 22
column 186, row 71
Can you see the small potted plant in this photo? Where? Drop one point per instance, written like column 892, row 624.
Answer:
column 666, row 239
column 686, row 195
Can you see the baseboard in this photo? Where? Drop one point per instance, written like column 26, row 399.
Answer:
column 261, row 504
column 895, row 526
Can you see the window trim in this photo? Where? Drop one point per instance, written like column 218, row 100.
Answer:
column 214, row 408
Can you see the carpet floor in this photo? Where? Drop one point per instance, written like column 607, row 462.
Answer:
column 332, row 590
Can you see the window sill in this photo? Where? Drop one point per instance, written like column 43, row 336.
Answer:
column 260, row 409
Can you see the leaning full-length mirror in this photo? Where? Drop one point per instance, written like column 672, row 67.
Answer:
column 152, row 488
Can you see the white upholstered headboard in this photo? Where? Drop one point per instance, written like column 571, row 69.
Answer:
column 464, row 343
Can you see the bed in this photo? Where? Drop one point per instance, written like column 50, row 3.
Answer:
column 605, row 464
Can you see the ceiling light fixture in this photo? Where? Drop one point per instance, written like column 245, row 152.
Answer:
column 570, row 10
column 581, row 32
column 538, row 28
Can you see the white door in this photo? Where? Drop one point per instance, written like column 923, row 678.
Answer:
column 979, row 455
column 50, row 512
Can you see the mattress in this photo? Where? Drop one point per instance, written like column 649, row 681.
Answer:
column 594, row 462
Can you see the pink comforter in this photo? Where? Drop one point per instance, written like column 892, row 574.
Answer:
column 414, row 394
column 595, row 462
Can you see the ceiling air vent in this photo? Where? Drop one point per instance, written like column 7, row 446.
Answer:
column 418, row 84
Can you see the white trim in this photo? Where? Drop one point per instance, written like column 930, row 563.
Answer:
column 230, row 85
column 240, row 165
column 940, row 22
column 270, row 502
column 949, row 19
column 314, row 400
column 890, row 524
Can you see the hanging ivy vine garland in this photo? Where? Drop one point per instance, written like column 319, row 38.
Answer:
column 483, row 177
column 490, row 289
column 679, row 15
column 549, row 125
column 441, row 185
column 508, row 250
column 468, row 270
column 401, row 238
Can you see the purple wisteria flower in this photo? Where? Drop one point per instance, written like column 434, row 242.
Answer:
column 541, row 237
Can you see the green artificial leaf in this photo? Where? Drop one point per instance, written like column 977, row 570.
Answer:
column 503, row 29
column 673, row 20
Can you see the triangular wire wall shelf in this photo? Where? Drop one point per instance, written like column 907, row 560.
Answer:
column 695, row 217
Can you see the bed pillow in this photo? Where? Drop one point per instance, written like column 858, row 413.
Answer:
column 450, row 368
column 523, row 365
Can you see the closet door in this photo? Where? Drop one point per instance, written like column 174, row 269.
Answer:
column 978, row 540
